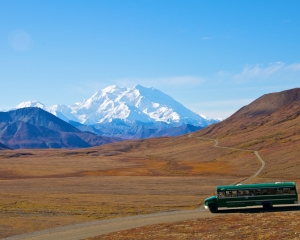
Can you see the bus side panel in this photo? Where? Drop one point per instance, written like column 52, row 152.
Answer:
column 283, row 199
column 222, row 201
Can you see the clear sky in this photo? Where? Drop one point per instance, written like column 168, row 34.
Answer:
column 212, row 56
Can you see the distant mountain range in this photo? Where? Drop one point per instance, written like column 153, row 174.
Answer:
column 272, row 116
column 36, row 128
column 136, row 112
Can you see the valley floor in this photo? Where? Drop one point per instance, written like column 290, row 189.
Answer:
column 41, row 189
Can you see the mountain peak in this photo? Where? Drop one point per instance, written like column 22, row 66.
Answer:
column 109, row 89
column 128, row 104
column 112, row 88
column 31, row 103
column 138, row 86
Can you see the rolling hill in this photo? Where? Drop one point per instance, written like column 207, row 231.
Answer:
column 270, row 124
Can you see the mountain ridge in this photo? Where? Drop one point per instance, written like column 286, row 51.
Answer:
column 36, row 128
column 274, row 114
column 130, row 113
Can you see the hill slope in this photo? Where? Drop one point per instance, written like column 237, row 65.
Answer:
column 267, row 113
column 36, row 128
column 270, row 124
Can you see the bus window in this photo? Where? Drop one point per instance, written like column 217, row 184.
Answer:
column 286, row 190
column 264, row 192
column 245, row 192
column 292, row 191
column 271, row 191
column 230, row 193
column 251, row 193
column 221, row 194
column 279, row 191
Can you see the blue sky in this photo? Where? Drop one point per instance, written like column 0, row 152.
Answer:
column 212, row 56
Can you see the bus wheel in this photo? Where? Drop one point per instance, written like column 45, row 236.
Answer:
column 213, row 208
column 267, row 205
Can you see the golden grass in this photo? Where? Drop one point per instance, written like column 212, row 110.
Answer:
column 62, row 201
column 60, row 187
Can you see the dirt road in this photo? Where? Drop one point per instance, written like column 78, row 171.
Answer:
column 90, row 229
column 263, row 164
column 95, row 228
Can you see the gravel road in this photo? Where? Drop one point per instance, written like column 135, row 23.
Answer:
column 90, row 229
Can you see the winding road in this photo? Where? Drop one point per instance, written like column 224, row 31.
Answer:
column 263, row 164
column 95, row 228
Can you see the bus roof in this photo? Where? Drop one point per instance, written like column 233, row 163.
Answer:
column 256, row 185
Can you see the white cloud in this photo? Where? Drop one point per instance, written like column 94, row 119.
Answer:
column 293, row 67
column 258, row 71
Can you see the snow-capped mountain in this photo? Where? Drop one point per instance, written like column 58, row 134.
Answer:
column 127, row 104
column 32, row 103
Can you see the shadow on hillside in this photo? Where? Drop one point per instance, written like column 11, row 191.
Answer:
column 286, row 208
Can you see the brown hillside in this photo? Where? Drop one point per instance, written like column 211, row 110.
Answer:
column 270, row 103
column 270, row 124
column 268, row 110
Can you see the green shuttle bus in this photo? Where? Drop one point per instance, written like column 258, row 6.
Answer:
column 243, row 195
